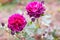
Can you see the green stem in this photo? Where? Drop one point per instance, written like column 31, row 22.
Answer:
column 37, row 23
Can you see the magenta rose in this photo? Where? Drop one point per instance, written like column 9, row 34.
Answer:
column 16, row 23
column 35, row 9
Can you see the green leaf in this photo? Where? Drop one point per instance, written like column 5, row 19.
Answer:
column 29, row 23
column 17, row 33
column 53, row 33
column 42, row 14
column 17, row 39
column 25, row 34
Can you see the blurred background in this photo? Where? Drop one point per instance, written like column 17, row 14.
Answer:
column 9, row 7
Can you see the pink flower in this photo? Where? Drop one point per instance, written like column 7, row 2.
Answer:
column 16, row 23
column 35, row 9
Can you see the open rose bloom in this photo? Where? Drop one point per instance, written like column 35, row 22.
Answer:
column 35, row 9
column 16, row 23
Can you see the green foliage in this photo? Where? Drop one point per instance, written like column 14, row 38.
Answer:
column 25, row 34
column 29, row 23
column 53, row 33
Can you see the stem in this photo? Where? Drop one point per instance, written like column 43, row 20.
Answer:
column 37, row 23
column 17, row 36
column 20, row 37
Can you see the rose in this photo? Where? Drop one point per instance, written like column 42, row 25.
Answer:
column 16, row 23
